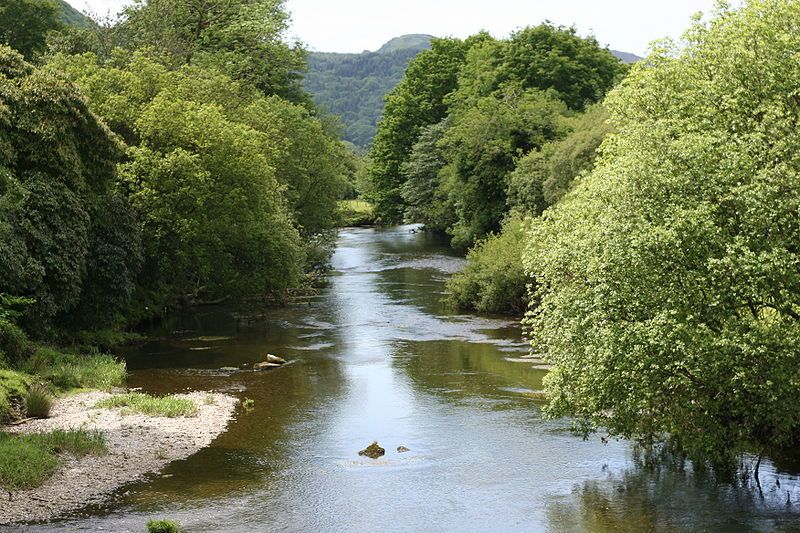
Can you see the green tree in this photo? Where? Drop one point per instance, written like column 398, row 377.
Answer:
column 483, row 146
column 418, row 101
column 554, row 58
column 669, row 279
column 549, row 58
column 24, row 24
column 426, row 198
column 544, row 176
column 242, row 38
column 57, row 170
column 213, row 218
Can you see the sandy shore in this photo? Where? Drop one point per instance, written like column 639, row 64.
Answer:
column 137, row 445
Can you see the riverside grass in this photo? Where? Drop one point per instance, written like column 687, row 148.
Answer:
column 137, row 402
column 27, row 461
column 76, row 371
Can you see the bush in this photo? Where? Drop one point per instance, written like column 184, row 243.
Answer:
column 13, row 387
column 14, row 344
column 72, row 371
column 493, row 280
column 137, row 402
column 163, row 526
column 38, row 401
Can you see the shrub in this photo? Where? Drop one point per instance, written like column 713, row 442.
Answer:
column 13, row 386
column 163, row 526
column 137, row 402
column 14, row 344
column 494, row 280
column 38, row 401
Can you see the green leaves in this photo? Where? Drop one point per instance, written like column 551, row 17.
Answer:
column 668, row 278
column 59, row 165
column 24, row 24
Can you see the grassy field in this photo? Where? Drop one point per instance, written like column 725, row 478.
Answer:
column 355, row 213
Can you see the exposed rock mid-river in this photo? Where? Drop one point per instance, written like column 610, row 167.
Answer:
column 376, row 357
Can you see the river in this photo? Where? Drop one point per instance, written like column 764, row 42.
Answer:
column 375, row 356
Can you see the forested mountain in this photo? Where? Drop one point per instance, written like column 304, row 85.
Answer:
column 73, row 17
column 353, row 86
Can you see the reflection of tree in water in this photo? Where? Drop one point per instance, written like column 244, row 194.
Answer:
column 663, row 491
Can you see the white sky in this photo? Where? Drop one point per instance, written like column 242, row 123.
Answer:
column 357, row 25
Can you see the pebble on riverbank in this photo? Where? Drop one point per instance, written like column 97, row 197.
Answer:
column 137, row 445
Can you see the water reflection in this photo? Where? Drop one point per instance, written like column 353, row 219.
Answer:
column 669, row 494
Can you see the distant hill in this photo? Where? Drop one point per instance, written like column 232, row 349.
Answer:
column 626, row 57
column 353, row 86
column 73, row 17
column 414, row 41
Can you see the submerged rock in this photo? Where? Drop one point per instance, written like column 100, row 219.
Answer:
column 402, row 449
column 265, row 366
column 373, row 451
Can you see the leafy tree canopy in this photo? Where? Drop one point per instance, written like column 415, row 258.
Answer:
column 24, row 24
column 242, row 38
column 669, row 278
column 57, row 178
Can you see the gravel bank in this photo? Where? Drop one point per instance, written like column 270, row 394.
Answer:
column 137, row 445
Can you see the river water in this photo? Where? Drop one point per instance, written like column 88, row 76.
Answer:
column 375, row 356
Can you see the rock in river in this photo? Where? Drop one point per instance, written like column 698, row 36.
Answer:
column 273, row 361
column 402, row 449
column 265, row 366
column 373, row 451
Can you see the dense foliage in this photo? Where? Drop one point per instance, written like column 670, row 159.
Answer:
column 354, row 86
column 241, row 38
column 669, row 278
column 494, row 280
column 417, row 102
column 24, row 24
column 483, row 128
column 61, row 244
column 545, row 175
column 166, row 157
column 503, row 99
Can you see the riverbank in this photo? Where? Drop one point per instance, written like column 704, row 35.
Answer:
column 137, row 445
